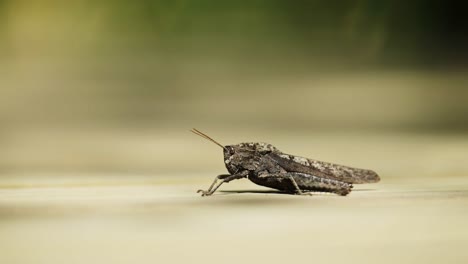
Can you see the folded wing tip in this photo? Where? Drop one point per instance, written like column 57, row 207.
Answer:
column 373, row 177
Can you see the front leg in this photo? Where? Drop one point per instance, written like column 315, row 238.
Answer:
column 219, row 177
column 224, row 178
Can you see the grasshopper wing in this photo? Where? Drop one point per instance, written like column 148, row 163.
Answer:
column 322, row 169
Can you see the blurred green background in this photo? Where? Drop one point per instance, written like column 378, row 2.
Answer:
column 97, row 98
column 103, row 85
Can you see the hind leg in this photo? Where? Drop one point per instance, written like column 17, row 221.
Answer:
column 303, row 183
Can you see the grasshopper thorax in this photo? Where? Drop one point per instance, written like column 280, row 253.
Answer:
column 244, row 155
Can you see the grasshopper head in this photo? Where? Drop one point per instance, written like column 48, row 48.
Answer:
column 243, row 156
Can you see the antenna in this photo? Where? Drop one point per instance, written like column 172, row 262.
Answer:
column 197, row 132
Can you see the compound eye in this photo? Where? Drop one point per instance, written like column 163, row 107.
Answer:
column 230, row 150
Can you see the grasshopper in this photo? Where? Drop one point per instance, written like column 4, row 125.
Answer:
column 265, row 165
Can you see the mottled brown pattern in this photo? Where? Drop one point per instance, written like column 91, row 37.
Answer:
column 265, row 165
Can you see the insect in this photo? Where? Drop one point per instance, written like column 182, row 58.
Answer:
column 265, row 165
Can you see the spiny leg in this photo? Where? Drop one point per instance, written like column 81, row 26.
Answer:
column 298, row 190
column 287, row 176
column 224, row 179
column 315, row 183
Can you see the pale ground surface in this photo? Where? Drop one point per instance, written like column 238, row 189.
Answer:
column 417, row 214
